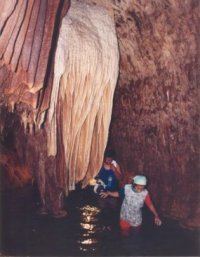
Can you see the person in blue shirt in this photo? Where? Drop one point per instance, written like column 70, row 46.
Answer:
column 107, row 180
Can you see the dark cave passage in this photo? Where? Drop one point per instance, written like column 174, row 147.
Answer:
column 86, row 231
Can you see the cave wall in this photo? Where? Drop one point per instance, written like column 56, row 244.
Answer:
column 155, row 120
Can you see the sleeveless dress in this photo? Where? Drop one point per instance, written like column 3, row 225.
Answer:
column 131, row 206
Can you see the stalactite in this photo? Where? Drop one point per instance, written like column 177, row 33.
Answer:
column 27, row 29
column 85, row 74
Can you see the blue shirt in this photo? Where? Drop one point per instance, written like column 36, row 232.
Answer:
column 109, row 179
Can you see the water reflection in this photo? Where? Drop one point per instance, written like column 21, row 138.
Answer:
column 88, row 224
column 87, row 231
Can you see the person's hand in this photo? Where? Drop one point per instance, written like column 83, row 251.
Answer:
column 104, row 194
column 158, row 222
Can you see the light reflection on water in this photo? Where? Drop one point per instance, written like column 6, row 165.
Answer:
column 88, row 230
column 88, row 219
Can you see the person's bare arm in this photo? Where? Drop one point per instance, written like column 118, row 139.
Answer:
column 153, row 210
column 108, row 193
column 117, row 170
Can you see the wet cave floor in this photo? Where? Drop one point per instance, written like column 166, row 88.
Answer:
column 87, row 230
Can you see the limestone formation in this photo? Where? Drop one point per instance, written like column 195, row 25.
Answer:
column 59, row 83
column 155, row 120
column 66, row 130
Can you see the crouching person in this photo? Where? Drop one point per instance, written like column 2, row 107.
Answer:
column 134, row 196
column 107, row 180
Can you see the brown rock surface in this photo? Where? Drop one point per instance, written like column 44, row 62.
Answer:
column 29, row 33
column 155, row 119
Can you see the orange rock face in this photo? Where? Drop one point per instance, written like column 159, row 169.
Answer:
column 28, row 30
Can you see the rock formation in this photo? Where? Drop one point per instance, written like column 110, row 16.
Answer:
column 65, row 103
column 155, row 120
column 57, row 85
column 28, row 39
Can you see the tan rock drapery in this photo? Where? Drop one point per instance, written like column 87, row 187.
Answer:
column 85, row 75
column 60, row 89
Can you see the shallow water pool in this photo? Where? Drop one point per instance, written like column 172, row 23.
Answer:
column 88, row 230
